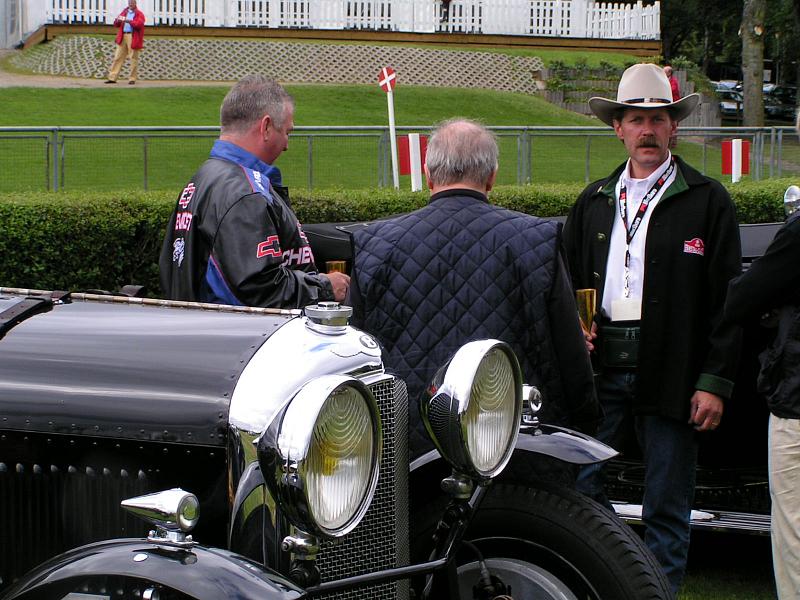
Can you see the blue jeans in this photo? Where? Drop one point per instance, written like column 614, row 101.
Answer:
column 669, row 449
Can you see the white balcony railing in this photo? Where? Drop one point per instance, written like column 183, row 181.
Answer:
column 550, row 18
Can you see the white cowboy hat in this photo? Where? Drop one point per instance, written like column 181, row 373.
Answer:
column 644, row 86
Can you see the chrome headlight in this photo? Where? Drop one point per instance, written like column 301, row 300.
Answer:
column 321, row 454
column 473, row 414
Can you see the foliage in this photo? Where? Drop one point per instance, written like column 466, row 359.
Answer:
column 80, row 241
column 759, row 201
column 707, row 32
column 104, row 240
column 552, row 55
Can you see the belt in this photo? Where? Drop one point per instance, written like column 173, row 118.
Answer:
column 619, row 346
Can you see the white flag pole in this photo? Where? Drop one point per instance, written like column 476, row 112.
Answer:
column 415, row 157
column 393, row 139
column 736, row 160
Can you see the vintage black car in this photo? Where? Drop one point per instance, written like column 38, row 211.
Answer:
column 732, row 491
column 280, row 441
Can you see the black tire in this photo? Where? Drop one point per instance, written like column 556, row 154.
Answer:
column 560, row 543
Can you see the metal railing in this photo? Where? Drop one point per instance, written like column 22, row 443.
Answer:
column 83, row 158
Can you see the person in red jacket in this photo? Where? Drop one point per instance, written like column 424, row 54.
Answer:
column 130, row 41
column 673, row 83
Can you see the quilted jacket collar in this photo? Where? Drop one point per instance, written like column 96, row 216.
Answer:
column 459, row 192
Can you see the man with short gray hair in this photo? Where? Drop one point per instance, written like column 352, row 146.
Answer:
column 460, row 269
column 233, row 238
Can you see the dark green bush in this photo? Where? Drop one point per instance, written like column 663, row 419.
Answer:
column 759, row 201
column 81, row 240
column 93, row 240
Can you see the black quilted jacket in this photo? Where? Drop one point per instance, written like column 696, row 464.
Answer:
column 459, row 270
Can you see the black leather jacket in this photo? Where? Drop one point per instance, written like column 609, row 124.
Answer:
column 233, row 240
column 773, row 282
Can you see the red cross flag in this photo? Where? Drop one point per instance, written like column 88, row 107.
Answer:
column 387, row 79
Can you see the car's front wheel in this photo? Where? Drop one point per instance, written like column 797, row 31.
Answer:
column 551, row 543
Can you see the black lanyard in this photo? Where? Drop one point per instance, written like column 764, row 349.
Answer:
column 631, row 230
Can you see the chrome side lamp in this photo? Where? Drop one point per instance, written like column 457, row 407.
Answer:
column 791, row 200
column 174, row 513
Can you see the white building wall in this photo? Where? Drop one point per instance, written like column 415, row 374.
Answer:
column 548, row 18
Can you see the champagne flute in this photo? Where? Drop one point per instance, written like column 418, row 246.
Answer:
column 587, row 304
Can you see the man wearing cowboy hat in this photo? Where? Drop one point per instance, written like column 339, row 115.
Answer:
column 659, row 242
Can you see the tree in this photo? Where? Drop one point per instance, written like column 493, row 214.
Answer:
column 704, row 31
column 752, row 32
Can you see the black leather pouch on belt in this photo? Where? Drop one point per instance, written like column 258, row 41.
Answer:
column 619, row 346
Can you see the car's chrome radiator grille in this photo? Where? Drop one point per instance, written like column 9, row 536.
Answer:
column 61, row 491
column 381, row 539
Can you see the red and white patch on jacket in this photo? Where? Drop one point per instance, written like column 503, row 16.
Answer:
column 694, row 246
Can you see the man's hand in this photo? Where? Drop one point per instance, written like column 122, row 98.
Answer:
column 339, row 282
column 590, row 336
column 706, row 411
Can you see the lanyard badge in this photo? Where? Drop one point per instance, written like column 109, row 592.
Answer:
column 630, row 230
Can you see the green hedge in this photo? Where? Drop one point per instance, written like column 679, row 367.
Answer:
column 79, row 241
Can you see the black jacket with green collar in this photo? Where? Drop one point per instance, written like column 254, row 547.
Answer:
column 692, row 250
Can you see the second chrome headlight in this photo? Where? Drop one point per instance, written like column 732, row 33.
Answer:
column 321, row 455
column 473, row 414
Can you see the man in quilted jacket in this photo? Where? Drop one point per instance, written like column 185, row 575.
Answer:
column 461, row 269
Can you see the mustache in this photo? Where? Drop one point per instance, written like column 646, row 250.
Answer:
column 648, row 141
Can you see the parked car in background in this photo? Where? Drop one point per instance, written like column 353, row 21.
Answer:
column 727, row 84
column 780, row 102
column 731, row 103
column 775, row 109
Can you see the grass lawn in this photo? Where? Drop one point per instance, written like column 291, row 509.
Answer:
column 344, row 161
column 728, row 566
column 317, row 105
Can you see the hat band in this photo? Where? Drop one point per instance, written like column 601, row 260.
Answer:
column 642, row 100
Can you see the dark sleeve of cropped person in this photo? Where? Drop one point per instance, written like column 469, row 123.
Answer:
column 580, row 269
column 355, row 300
column 724, row 262
column 264, row 256
column 771, row 281
column 577, row 378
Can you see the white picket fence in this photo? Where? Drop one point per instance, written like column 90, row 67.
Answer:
column 551, row 18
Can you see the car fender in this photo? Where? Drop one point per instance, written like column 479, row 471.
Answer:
column 197, row 571
column 548, row 440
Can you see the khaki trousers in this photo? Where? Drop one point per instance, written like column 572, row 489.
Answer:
column 784, row 489
column 120, row 54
